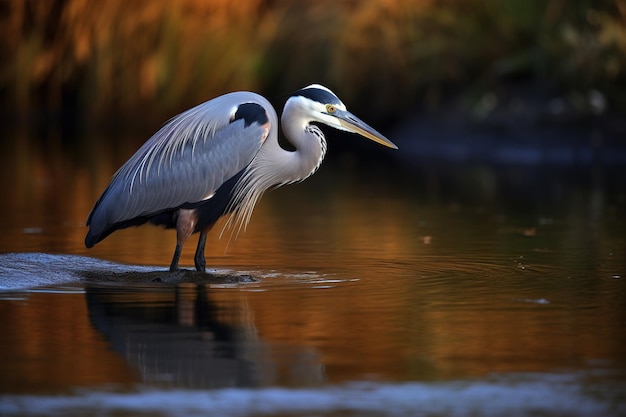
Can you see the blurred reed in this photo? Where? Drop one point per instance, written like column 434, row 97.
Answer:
column 137, row 58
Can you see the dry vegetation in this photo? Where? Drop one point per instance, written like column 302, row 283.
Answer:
column 148, row 57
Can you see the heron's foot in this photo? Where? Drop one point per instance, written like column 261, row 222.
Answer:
column 200, row 264
column 174, row 268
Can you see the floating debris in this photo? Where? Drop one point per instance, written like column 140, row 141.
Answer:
column 532, row 300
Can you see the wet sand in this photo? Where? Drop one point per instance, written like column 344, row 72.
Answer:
column 165, row 277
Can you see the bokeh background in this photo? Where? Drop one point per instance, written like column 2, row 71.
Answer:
column 77, row 63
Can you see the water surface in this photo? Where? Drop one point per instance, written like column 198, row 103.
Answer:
column 376, row 287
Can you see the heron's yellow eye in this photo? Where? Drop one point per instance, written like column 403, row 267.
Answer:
column 330, row 108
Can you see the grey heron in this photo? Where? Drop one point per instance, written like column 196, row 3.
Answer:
column 219, row 158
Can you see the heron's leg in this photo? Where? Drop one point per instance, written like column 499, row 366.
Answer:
column 185, row 223
column 199, row 260
column 176, row 258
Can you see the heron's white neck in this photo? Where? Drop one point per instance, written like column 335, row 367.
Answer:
column 309, row 143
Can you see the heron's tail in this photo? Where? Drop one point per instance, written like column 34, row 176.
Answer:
column 97, row 230
column 91, row 239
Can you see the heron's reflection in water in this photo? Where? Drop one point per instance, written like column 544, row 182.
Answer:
column 182, row 338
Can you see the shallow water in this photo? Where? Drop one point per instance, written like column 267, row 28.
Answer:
column 373, row 288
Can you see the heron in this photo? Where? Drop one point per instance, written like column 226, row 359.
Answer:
column 218, row 159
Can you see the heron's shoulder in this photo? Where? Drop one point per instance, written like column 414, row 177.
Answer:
column 223, row 110
column 250, row 113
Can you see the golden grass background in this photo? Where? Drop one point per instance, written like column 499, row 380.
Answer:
column 154, row 58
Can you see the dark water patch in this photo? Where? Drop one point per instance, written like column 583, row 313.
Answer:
column 178, row 337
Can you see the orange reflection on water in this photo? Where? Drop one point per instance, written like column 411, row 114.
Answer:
column 353, row 281
column 49, row 344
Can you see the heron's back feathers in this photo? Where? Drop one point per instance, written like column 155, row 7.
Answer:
column 185, row 162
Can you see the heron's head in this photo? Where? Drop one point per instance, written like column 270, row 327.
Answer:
column 317, row 103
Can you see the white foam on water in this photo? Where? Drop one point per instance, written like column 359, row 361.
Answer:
column 29, row 270
column 42, row 271
column 545, row 395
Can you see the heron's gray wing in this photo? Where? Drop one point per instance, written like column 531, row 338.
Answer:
column 186, row 161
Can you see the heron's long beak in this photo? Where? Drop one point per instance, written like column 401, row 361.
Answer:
column 351, row 123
